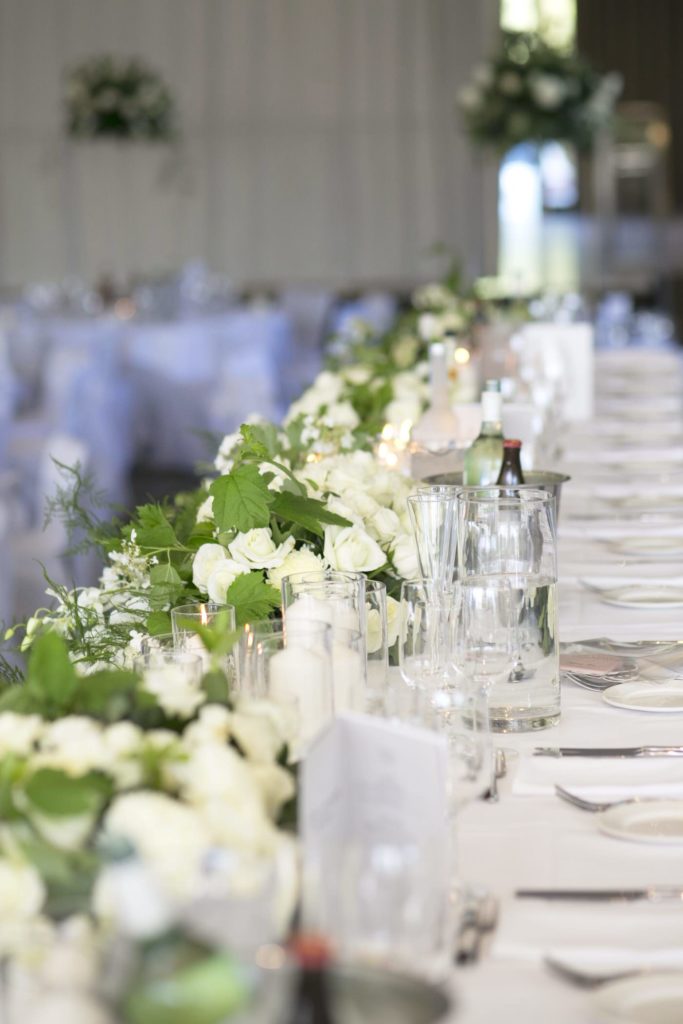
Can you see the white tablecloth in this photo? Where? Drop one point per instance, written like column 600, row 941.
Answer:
column 537, row 840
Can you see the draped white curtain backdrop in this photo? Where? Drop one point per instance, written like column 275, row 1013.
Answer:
column 320, row 140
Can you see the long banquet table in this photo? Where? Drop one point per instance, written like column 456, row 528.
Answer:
column 635, row 444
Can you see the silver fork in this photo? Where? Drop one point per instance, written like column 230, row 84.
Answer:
column 596, row 805
column 589, row 979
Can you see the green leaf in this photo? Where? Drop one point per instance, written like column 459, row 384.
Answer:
column 50, row 674
column 158, row 623
column 56, row 794
column 11, row 770
column 216, row 687
column 241, row 499
column 307, row 512
column 164, row 573
column 252, row 597
column 153, row 529
column 107, row 694
column 260, row 439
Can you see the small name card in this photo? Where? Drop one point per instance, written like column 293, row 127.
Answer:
column 371, row 784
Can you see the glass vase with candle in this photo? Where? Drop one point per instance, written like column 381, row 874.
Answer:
column 337, row 598
column 186, row 617
column 291, row 666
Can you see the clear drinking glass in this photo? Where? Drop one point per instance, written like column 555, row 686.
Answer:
column 433, row 517
column 376, row 643
column 506, row 619
column 392, row 909
column 423, row 635
column 293, row 668
column 204, row 613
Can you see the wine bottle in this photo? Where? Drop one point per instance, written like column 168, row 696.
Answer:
column 439, row 427
column 484, row 457
column 511, row 469
column 311, row 999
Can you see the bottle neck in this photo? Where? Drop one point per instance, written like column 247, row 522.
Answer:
column 491, row 414
column 438, row 377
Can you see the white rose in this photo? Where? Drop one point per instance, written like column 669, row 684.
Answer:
column 75, row 745
column 303, row 560
column 276, row 784
column 340, row 508
column 429, row 327
column 205, row 510
column 549, row 91
column 357, row 375
column 350, row 548
column 205, row 561
column 19, row 733
column 169, row 837
column 212, row 725
column 341, row 414
column 256, row 549
column 256, row 737
column 361, row 503
column 124, row 742
column 22, row 892
column 223, row 575
column 403, row 410
column 384, row 525
column 404, row 557
column 175, row 692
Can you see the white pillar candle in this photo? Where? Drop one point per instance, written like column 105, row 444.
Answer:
column 348, row 677
column 300, row 677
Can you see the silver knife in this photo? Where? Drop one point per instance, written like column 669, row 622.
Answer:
column 654, row 894
column 651, row 751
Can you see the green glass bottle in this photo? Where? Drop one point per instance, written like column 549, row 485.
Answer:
column 484, row 457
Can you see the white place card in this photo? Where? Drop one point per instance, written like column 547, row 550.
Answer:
column 374, row 822
column 368, row 779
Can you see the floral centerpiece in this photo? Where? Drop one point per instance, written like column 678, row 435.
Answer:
column 114, row 97
column 531, row 92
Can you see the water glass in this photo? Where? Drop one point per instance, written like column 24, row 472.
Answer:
column 376, row 643
column 433, row 517
column 391, row 907
column 293, row 668
column 506, row 531
column 423, row 635
column 507, row 620
column 205, row 613
column 506, row 644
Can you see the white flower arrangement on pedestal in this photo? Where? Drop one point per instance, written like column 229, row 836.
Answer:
column 120, row 98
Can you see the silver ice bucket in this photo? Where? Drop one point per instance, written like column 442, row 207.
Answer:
column 542, row 480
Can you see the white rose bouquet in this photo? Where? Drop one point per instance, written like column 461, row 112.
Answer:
column 113, row 97
column 90, row 762
column 530, row 92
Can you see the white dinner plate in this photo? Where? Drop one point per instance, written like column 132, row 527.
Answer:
column 660, row 697
column 650, row 547
column 652, row 821
column 648, row 999
column 636, row 595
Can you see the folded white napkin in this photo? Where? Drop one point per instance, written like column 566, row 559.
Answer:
column 588, row 936
column 600, row 778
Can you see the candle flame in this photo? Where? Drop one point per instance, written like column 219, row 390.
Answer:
column 204, row 616
column 461, row 355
